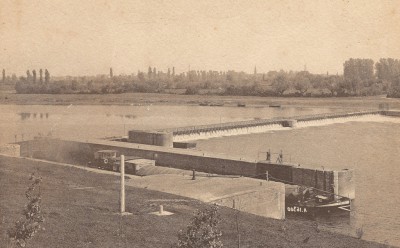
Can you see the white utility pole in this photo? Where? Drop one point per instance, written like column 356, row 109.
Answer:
column 122, row 195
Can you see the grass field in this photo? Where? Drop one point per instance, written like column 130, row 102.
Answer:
column 171, row 99
column 80, row 209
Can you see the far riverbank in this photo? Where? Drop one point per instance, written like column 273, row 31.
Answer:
column 8, row 98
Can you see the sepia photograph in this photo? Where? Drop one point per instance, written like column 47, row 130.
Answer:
column 199, row 124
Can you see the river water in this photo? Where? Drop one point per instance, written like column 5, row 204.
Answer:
column 19, row 122
column 370, row 144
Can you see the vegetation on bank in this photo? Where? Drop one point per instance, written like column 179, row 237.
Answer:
column 361, row 77
column 203, row 230
column 26, row 228
column 80, row 210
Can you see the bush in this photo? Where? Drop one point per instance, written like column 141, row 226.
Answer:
column 203, row 231
column 192, row 90
column 25, row 229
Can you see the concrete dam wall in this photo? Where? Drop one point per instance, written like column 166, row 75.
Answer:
column 80, row 152
column 206, row 133
column 338, row 182
column 166, row 137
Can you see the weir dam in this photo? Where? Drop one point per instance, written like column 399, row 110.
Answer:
column 159, row 148
column 167, row 137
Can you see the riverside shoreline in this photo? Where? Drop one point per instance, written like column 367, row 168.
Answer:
column 80, row 206
column 137, row 99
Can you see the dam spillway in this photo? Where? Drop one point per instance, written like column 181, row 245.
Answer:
column 167, row 137
column 190, row 133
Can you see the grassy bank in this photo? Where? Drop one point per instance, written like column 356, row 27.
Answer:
column 171, row 99
column 80, row 210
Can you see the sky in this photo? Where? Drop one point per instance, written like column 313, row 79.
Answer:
column 87, row 37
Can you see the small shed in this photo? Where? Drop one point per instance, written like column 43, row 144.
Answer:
column 105, row 154
column 133, row 164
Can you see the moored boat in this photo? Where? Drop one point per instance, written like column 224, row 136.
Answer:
column 274, row 105
column 312, row 202
column 204, row 104
column 217, row 104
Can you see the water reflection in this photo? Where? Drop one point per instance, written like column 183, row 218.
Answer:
column 27, row 115
column 128, row 116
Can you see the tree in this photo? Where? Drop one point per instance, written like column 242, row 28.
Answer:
column 356, row 73
column 140, row 76
column 387, row 69
column 28, row 76
column 149, row 72
column 302, row 83
column 203, row 231
column 332, row 84
column 14, row 77
column 4, row 75
column 191, row 90
column 111, row 72
column 154, row 72
column 41, row 76
column 34, row 76
column 25, row 229
column 362, row 69
column 394, row 90
column 280, row 83
column 46, row 76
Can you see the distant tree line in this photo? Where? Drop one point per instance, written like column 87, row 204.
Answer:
column 31, row 84
column 388, row 71
column 361, row 77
